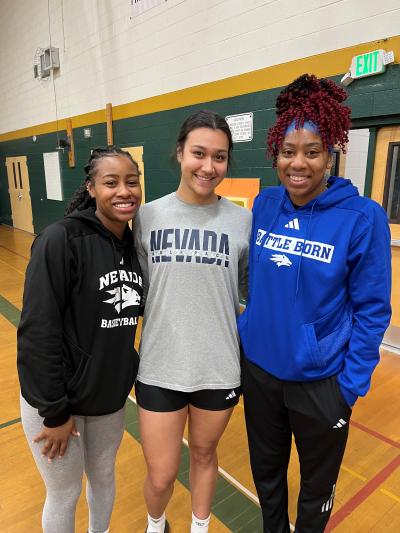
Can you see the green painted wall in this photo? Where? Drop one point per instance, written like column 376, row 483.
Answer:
column 377, row 96
column 46, row 211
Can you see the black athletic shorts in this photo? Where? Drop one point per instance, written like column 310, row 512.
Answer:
column 161, row 400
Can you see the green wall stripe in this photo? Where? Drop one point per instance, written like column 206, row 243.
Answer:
column 375, row 101
column 233, row 508
column 9, row 311
column 10, row 423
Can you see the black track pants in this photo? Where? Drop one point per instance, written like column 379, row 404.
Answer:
column 318, row 416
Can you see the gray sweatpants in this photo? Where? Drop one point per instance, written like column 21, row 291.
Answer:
column 94, row 453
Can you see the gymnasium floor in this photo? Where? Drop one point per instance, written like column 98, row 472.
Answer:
column 368, row 492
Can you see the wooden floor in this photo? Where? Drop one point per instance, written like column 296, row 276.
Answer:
column 368, row 493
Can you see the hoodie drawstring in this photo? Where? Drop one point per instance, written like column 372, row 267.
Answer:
column 130, row 266
column 305, row 240
column 118, row 275
column 301, row 253
column 131, row 261
column 271, row 227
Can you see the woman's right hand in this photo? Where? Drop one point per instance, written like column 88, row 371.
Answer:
column 57, row 438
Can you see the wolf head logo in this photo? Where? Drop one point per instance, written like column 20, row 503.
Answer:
column 127, row 298
column 281, row 259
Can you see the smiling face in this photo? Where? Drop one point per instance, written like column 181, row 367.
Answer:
column 117, row 191
column 302, row 163
column 204, row 163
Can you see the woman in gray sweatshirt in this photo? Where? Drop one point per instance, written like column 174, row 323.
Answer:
column 193, row 249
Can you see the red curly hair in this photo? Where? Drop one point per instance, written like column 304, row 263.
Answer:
column 308, row 98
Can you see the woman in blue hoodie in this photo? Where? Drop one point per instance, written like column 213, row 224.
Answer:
column 318, row 306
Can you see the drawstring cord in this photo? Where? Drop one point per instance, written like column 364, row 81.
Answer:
column 271, row 226
column 305, row 241
column 301, row 253
column 133, row 251
column 119, row 277
column 131, row 261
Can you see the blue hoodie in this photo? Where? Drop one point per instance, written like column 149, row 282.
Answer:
column 320, row 308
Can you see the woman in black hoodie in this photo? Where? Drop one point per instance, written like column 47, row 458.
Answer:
column 76, row 357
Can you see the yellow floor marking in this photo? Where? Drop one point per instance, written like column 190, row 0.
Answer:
column 390, row 495
column 353, row 473
column 12, row 267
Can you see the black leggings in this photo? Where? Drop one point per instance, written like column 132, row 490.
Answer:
column 318, row 416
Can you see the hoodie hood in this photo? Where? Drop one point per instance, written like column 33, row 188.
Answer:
column 339, row 189
column 89, row 218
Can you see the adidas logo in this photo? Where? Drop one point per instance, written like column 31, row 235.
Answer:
column 122, row 261
column 340, row 424
column 231, row 395
column 328, row 505
column 294, row 224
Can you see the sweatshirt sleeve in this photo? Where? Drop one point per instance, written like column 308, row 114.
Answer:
column 142, row 255
column 369, row 260
column 40, row 333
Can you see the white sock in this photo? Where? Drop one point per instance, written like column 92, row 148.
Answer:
column 199, row 526
column 156, row 526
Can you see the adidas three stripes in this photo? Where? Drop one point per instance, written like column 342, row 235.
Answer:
column 317, row 415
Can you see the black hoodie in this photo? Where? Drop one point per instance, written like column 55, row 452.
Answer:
column 76, row 350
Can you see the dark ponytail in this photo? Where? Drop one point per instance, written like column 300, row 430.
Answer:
column 82, row 199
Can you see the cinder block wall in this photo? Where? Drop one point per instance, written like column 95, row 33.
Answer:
column 107, row 57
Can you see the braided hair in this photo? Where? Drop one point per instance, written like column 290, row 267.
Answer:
column 317, row 100
column 82, row 199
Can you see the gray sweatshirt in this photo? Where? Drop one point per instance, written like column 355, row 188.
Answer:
column 194, row 258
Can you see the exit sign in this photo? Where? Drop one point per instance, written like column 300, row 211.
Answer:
column 368, row 64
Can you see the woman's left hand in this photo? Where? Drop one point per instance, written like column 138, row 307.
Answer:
column 57, row 438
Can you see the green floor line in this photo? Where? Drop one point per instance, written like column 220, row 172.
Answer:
column 233, row 508
column 9, row 311
column 10, row 423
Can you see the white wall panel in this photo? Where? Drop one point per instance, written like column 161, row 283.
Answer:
column 356, row 158
column 107, row 57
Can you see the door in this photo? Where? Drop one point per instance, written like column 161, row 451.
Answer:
column 386, row 191
column 391, row 195
column 20, row 196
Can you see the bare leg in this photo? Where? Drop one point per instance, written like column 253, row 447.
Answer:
column 205, row 430
column 161, row 437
